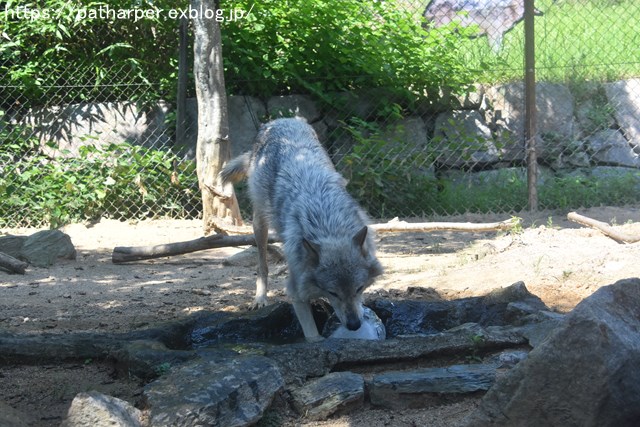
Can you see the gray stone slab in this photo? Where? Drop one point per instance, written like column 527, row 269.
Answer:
column 411, row 389
column 336, row 392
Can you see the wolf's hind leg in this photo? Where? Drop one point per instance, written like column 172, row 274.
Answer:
column 261, row 232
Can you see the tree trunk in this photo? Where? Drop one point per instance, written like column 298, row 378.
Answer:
column 213, row 150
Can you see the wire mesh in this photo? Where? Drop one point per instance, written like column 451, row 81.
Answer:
column 420, row 104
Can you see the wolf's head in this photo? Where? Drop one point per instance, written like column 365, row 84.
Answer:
column 342, row 269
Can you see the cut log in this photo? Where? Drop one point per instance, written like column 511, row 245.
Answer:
column 124, row 254
column 606, row 229
column 12, row 264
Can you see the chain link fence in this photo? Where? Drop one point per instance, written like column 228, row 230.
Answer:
column 422, row 109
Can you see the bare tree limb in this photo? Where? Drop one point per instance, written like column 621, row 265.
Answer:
column 606, row 229
column 127, row 254
column 12, row 264
column 123, row 254
column 401, row 226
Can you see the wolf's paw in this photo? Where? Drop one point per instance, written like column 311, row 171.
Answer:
column 317, row 338
column 258, row 302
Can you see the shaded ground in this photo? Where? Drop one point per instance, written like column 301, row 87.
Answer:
column 558, row 261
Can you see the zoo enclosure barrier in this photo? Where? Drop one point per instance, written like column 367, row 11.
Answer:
column 99, row 136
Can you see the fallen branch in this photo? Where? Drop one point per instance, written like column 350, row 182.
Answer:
column 123, row 254
column 609, row 231
column 402, row 226
column 12, row 264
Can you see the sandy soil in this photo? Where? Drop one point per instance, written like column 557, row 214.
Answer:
column 558, row 260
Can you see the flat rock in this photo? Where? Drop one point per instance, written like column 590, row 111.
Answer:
column 305, row 360
column 337, row 392
column 425, row 387
column 95, row 409
column 586, row 372
column 214, row 392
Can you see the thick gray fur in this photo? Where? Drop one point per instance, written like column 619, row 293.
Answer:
column 329, row 249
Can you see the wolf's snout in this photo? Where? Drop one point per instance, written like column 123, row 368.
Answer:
column 353, row 324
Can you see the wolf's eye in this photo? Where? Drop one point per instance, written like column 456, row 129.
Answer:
column 360, row 289
column 333, row 294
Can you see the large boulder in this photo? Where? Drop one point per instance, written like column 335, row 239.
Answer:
column 462, row 138
column 586, row 373
column 245, row 114
column 624, row 98
column 72, row 126
column 554, row 119
column 293, row 106
column 43, row 248
column 609, row 147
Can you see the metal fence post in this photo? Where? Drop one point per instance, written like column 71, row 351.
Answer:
column 530, row 104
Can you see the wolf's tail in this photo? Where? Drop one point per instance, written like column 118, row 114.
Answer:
column 237, row 168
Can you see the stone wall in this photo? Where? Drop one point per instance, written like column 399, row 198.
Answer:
column 599, row 127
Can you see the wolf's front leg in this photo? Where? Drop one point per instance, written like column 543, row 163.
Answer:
column 305, row 317
column 261, row 232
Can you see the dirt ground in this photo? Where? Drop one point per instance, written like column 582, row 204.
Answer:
column 558, row 260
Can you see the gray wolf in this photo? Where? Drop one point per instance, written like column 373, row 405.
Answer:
column 329, row 249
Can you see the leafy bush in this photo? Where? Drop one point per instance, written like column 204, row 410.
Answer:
column 54, row 54
column 121, row 181
column 323, row 46
column 387, row 176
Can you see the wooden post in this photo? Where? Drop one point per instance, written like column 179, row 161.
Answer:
column 530, row 104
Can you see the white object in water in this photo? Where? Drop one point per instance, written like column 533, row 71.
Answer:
column 370, row 329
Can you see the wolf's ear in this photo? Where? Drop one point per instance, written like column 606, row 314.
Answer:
column 313, row 251
column 358, row 239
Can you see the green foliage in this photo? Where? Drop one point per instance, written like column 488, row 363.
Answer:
column 586, row 191
column 121, row 181
column 385, row 174
column 557, row 192
column 323, row 46
column 55, row 54
column 482, row 197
